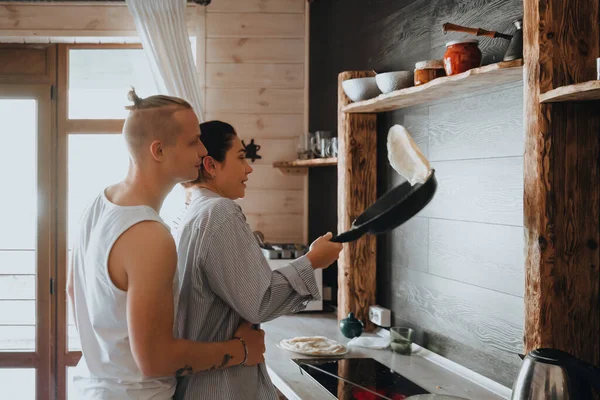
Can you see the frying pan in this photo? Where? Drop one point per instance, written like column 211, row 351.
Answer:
column 391, row 210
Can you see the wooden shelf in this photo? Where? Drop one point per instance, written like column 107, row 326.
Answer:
column 299, row 167
column 584, row 91
column 474, row 79
column 314, row 162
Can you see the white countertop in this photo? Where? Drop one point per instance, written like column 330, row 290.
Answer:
column 417, row 367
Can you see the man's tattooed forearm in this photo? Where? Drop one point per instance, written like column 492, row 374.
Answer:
column 188, row 370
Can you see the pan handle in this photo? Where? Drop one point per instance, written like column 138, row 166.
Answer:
column 336, row 239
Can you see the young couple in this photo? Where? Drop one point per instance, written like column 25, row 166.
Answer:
column 159, row 317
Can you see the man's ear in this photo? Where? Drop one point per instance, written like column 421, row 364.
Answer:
column 156, row 149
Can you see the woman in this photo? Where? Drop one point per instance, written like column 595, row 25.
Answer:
column 224, row 276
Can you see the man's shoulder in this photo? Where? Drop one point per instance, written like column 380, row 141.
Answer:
column 148, row 233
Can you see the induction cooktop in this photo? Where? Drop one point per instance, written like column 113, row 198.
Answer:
column 358, row 379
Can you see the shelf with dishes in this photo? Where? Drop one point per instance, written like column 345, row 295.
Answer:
column 297, row 167
column 437, row 88
column 585, row 91
column 458, row 71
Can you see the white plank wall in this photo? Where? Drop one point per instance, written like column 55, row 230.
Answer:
column 254, row 70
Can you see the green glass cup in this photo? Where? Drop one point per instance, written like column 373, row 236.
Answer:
column 401, row 339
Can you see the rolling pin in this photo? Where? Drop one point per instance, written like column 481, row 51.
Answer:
column 448, row 27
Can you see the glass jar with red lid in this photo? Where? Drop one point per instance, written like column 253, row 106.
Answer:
column 461, row 56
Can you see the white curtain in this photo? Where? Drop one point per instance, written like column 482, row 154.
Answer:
column 163, row 31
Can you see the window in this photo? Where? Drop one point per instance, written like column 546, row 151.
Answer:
column 58, row 156
column 100, row 78
column 25, row 239
column 18, row 231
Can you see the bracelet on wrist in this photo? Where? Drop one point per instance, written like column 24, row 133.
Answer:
column 245, row 349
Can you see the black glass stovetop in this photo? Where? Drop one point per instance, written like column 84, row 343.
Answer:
column 358, row 379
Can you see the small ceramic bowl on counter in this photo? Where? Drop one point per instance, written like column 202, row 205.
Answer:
column 426, row 71
column 461, row 56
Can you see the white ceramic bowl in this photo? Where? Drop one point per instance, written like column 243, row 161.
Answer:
column 358, row 89
column 390, row 81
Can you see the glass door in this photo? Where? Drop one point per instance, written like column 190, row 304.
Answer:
column 26, row 241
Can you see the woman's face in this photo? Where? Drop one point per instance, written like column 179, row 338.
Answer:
column 232, row 174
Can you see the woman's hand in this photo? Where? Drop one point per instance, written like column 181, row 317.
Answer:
column 255, row 342
column 323, row 252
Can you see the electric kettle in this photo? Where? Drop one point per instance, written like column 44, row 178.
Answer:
column 550, row 374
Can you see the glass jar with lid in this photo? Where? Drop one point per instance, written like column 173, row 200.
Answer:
column 461, row 56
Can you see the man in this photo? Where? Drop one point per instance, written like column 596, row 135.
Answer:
column 121, row 283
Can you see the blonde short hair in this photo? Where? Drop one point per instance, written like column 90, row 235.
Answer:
column 157, row 101
column 152, row 118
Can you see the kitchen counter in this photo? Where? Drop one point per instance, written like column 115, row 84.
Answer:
column 422, row 367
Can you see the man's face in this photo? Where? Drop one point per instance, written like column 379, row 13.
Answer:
column 185, row 155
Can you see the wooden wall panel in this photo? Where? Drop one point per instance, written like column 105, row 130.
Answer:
column 277, row 227
column 262, row 100
column 257, row 6
column 409, row 245
column 255, row 25
column 496, row 15
column 486, row 190
column 484, row 255
column 487, row 321
column 220, row 75
column 256, row 80
column 272, row 150
column 267, row 126
column 482, row 126
column 278, row 201
column 267, row 177
column 254, row 50
column 71, row 20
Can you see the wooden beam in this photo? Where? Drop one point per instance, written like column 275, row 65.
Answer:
column 357, row 189
column 19, row 360
column 21, row 63
column 561, row 180
column 83, row 126
column 56, row 20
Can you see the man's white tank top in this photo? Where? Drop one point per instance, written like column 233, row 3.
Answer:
column 107, row 369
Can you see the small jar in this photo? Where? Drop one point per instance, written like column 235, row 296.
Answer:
column 426, row 71
column 461, row 56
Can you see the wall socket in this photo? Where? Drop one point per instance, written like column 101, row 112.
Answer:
column 380, row 316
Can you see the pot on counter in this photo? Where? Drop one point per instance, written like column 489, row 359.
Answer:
column 351, row 327
column 461, row 56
